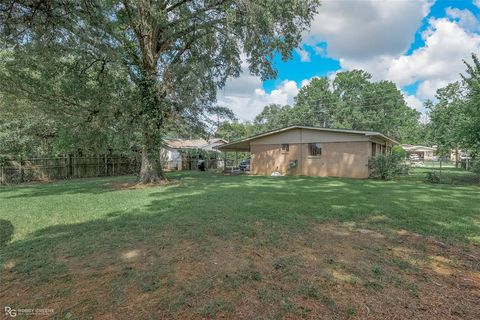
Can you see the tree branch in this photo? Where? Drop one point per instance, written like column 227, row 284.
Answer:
column 176, row 5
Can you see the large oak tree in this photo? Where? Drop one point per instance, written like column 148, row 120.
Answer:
column 175, row 53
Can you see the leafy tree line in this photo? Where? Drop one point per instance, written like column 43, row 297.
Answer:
column 455, row 115
column 350, row 100
column 105, row 72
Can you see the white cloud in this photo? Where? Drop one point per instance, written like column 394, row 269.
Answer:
column 305, row 82
column 284, row 94
column 428, row 88
column 374, row 35
column 321, row 51
column 413, row 102
column 476, row 3
column 448, row 41
column 362, row 29
column 466, row 19
column 439, row 61
column 371, row 34
column 376, row 65
column 304, row 55
column 248, row 101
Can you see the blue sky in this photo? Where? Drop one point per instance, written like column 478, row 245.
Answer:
column 418, row 44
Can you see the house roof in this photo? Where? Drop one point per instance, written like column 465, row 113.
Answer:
column 193, row 143
column 243, row 144
column 409, row 147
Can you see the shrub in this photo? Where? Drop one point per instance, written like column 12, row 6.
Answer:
column 476, row 168
column 399, row 151
column 386, row 167
column 432, row 177
column 404, row 169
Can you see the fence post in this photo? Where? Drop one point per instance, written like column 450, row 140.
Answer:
column 47, row 167
column 105, row 164
column 21, row 170
column 65, row 166
column 225, row 161
column 73, row 164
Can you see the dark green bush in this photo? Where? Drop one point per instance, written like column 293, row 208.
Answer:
column 404, row 169
column 432, row 177
column 386, row 167
column 399, row 151
column 476, row 168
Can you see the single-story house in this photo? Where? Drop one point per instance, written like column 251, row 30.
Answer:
column 171, row 154
column 312, row 151
column 423, row 152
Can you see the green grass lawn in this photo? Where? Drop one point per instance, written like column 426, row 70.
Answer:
column 209, row 245
column 196, row 198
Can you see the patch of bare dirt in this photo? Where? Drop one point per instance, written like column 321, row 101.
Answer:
column 330, row 271
column 136, row 186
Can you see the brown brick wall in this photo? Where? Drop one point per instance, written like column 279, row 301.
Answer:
column 338, row 159
column 267, row 158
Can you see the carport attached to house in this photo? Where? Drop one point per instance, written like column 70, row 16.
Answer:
column 312, row 151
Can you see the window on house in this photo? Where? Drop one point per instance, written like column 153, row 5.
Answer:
column 314, row 149
column 285, row 147
column 374, row 149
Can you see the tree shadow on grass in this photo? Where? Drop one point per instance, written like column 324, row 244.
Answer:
column 230, row 207
column 6, row 232
column 264, row 210
column 74, row 186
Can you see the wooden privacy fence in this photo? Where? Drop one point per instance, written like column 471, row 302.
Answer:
column 20, row 170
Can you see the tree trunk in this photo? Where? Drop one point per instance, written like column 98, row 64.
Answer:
column 457, row 157
column 151, row 127
column 151, row 168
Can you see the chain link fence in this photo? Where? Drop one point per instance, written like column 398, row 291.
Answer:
column 465, row 164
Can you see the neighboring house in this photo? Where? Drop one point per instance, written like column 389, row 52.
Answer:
column 173, row 157
column 458, row 155
column 423, row 152
column 312, row 151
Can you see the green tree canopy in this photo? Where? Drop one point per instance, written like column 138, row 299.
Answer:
column 351, row 100
column 471, row 124
column 54, row 102
column 447, row 117
column 274, row 116
column 175, row 54
column 455, row 115
column 235, row 130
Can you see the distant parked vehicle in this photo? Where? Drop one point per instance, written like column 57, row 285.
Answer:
column 245, row 165
column 414, row 157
